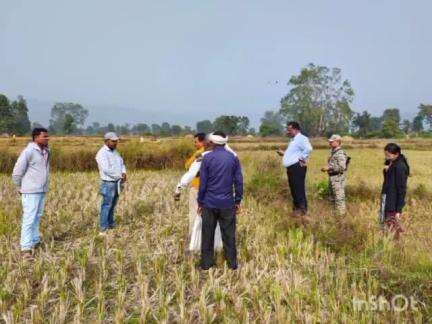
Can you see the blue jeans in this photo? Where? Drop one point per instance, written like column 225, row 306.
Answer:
column 33, row 207
column 110, row 197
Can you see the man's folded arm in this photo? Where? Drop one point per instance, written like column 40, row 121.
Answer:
column 20, row 169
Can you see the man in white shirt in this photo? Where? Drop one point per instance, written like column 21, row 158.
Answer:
column 112, row 172
column 295, row 159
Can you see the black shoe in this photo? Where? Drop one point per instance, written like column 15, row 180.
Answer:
column 205, row 268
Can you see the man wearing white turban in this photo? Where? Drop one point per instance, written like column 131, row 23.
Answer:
column 219, row 197
column 192, row 176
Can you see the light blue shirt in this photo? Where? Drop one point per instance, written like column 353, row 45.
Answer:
column 299, row 148
column 110, row 164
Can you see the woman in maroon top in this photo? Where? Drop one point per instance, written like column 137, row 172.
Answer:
column 396, row 172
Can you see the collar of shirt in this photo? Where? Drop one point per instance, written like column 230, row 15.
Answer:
column 44, row 150
column 296, row 136
column 219, row 148
column 108, row 149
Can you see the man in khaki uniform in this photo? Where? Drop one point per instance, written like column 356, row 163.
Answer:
column 336, row 169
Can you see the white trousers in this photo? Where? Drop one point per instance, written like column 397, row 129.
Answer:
column 195, row 225
column 33, row 208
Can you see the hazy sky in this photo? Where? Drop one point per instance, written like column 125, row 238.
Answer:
column 181, row 61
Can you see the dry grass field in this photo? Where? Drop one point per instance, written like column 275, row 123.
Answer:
column 290, row 271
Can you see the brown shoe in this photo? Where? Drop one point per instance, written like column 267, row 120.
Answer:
column 27, row 255
column 299, row 213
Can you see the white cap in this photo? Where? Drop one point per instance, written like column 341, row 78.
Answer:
column 335, row 137
column 111, row 136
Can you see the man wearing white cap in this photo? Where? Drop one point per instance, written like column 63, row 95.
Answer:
column 113, row 174
column 336, row 168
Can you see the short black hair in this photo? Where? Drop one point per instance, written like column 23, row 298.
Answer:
column 201, row 136
column 37, row 131
column 294, row 125
column 220, row 133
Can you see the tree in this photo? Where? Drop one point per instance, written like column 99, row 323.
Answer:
column 406, row 126
column 69, row 126
column 122, row 129
column 362, row 122
column 391, row 114
column 142, row 129
column 319, row 100
column 156, row 129
column 204, row 126
column 232, row 125
column 37, row 125
column 271, row 124
column 417, row 124
column 67, row 117
column 226, row 124
column 187, row 130
column 426, row 114
column 390, row 124
column 176, row 130
column 6, row 116
column 376, row 124
column 95, row 129
column 21, row 122
column 14, row 116
column 111, row 127
column 165, row 129
column 242, row 125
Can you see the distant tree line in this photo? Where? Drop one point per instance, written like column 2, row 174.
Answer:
column 318, row 98
column 143, row 129
column 231, row 125
column 69, row 119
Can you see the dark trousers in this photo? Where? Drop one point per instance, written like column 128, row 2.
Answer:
column 227, row 223
column 296, row 180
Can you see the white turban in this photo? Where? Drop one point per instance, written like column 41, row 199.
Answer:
column 217, row 139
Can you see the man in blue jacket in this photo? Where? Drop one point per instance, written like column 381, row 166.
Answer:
column 219, row 197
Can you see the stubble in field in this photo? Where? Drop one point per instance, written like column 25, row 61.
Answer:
column 289, row 271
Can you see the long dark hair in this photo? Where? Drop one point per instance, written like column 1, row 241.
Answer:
column 393, row 148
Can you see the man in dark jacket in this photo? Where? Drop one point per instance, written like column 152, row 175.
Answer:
column 219, row 197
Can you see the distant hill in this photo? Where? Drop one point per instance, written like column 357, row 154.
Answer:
column 39, row 111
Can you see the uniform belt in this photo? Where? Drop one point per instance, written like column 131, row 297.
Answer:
column 331, row 174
